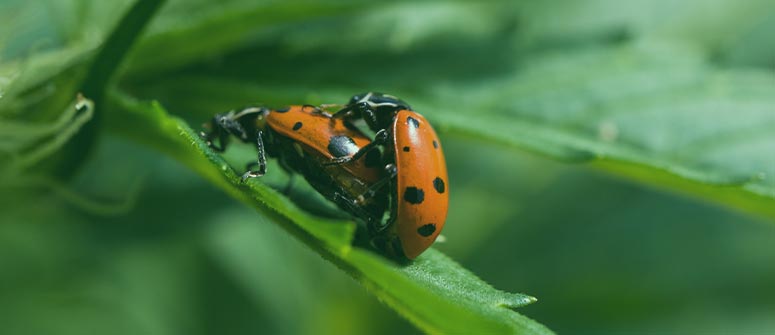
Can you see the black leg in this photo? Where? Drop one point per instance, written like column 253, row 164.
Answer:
column 261, row 160
column 231, row 123
column 209, row 138
column 378, row 226
column 221, row 126
column 372, row 190
column 380, row 139
column 346, row 113
column 353, row 207
column 217, row 132
column 323, row 110
column 358, row 110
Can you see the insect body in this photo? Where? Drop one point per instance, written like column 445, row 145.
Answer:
column 304, row 139
column 413, row 156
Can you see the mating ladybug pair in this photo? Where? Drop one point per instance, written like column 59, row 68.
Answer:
column 401, row 171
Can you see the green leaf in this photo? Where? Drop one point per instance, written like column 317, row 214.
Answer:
column 712, row 23
column 176, row 39
column 433, row 292
column 28, row 144
column 69, row 72
column 112, row 52
column 656, row 112
column 45, row 47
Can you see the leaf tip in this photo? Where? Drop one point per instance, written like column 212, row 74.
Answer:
column 514, row 301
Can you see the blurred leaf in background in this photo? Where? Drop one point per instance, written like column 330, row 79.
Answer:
column 614, row 159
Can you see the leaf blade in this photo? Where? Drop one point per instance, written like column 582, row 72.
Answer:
column 431, row 292
column 633, row 109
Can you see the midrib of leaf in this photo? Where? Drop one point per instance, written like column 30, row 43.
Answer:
column 433, row 292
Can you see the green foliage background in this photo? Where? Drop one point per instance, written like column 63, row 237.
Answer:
column 614, row 159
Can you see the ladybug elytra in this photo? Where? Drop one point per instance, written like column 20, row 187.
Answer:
column 304, row 138
column 401, row 171
column 417, row 170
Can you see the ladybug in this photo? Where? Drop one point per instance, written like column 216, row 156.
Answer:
column 304, row 139
column 416, row 170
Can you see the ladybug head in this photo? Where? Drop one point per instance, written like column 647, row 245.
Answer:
column 242, row 123
column 377, row 109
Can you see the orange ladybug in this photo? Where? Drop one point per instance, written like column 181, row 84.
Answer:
column 416, row 168
column 304, row 139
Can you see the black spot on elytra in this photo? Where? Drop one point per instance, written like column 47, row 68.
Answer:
column 438, row 184
column 406, row 149
column 414, row 195
column 427, row 230
column 282, row 110
column 435, row 144
column 413, row 122
column 297, row 126
column 373, row 159
column 341, row 146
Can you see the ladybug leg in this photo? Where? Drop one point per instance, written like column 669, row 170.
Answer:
column 359, row 110
column 223, row 125
column 209, row 138
column 380, row 138
column 324, row 108
column 354, row 110
column 353, row 207
column 217, row 132
column 392, row 172
column 261, row 160
column 346, row 113
column 283, row 162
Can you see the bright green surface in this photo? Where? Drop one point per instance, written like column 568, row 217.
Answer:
column 102, row 229
column 434, row 292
